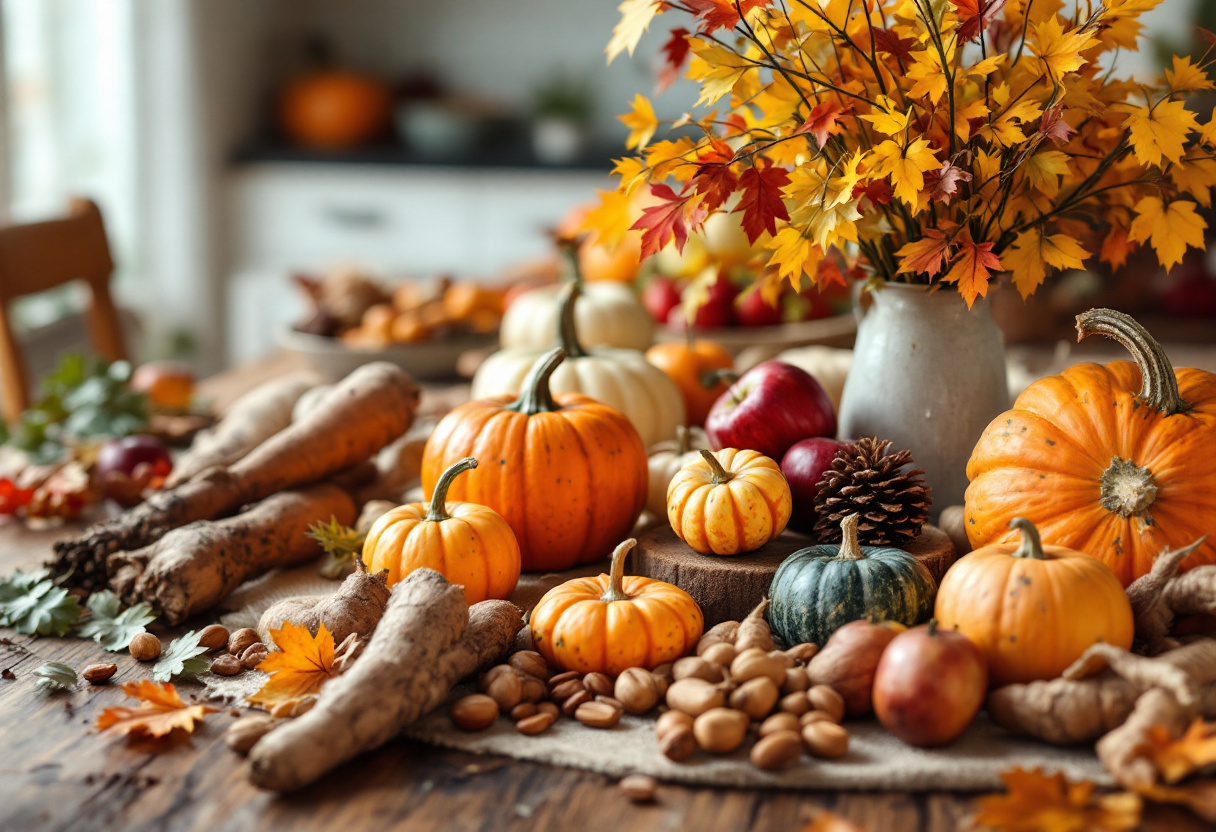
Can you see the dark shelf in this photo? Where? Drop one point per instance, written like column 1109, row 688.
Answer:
column 515, row 155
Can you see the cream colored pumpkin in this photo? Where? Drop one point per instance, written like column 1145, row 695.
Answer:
column 607, row 314
column 829, row 366
column 665, row 461
column 620, row 378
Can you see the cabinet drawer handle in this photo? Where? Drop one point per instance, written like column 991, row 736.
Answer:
column 360, row 218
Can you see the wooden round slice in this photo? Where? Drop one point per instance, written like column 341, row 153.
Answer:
column 728, row 588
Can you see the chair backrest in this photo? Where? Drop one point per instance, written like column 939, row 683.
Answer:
column 41, row 256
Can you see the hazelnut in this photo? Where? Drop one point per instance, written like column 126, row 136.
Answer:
column 597, row 715
column 637, row 689
column 487, row 678
column 144, row 647
column 562, row 692
column 475, row 712
column 679, row 743
column 240, row 641
column 778, row 750
column 600, row 684
column 826, row 739
column 534, row 689
column 213, row 637
column 507, row 690
column 537, row 724
column 694, row 696
column 720, row 730
column 780, row 722
column 755, row 697
column 824, row 698
column 97, row 674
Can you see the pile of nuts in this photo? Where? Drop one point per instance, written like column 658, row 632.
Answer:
column 737, row 684
column 244, row 648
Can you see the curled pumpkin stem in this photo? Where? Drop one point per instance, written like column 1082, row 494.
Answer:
column 1031, row 545
column 616, row 576
column 437, row 511
column 1159, row 384
column 535, row 396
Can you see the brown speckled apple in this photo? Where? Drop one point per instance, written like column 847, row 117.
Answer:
column 929, row 685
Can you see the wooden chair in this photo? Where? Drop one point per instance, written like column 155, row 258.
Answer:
column 41, row 256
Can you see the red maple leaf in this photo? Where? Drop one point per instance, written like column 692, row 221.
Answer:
column 975, row 15
column 714, row 177
column 887, row 41
column 943, row 184
column 721, row 14
column 1053, row 125
column 675, row 52
column 669, row 219
column 824, row 121
column 761, row 202
column 879, row 193
column 734, row 125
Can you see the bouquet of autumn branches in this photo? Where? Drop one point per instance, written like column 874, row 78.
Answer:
column 927, row 141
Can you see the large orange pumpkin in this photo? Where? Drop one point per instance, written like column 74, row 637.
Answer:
column 1031, row 609
column 697, row 368
column 568, row 473
column 334, row 110
column 729, row 502
column 468, row 544
column 612, row 622
column 1114, row 461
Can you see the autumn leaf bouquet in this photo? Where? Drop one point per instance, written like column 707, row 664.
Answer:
column 923, row 141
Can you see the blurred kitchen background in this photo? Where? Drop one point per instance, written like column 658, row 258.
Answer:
column 472, row 127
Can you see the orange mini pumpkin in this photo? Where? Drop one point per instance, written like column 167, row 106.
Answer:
column 1033, row 609
column 568, row 473
column 729, row 502
column 702, row 370
column 614, row 622
column 1114, row 460
column 468, row 544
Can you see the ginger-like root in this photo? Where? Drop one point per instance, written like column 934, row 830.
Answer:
column 194, row 567
column 754, row 630
column 356, row 608
column 1121, row 751
column 426, row 642
column 1099, row 691
column 1163, row 595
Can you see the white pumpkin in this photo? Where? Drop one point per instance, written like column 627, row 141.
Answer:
column 829, row 366
column 620, row 378
column 665, row 461
column 607, row 314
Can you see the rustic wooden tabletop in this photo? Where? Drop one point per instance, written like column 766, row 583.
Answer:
column 58, row 773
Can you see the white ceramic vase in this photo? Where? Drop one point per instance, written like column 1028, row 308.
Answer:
column 929, row 374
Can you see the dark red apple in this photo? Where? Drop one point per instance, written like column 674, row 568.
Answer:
column 929, row 685
column 660, row 297
column 122, row 456
column 751, row 309
column 771, row 406
column 803, row 466
column 717, row 311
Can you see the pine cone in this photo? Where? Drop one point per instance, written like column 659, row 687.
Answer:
column 866, row 479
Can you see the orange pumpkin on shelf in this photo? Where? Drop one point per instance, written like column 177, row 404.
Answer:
column 613, row 622
column 334, row 110
column 568, row 473
column 468, row 544
column 729, row 502
column 1112, row 460
column 702, row 370
column 1031, row 609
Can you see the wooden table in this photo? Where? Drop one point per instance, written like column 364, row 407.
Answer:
column 57, row 773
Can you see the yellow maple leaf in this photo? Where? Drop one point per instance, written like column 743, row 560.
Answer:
column 1169, row 230
column 794, row 253
column 632, row 171
column 905, row 166
column 1060, row 51
column 1199, row 796
column 888, row 118
column 671, row 158
column 928, row 73
column 641, row 122
column 611, row 220
column 1158, row 131
column 1186, row 77
column 972, row 268
column 1178, row 758
column 1036, row 802
column 716, row 67
column 1033, row 251
column 1043, row 170
column 1196, row 177
column 635, row 20
column 301, row 665
column 161, row 712
column 1208, row 134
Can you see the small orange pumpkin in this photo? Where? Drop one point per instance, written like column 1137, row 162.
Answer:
column 1033, row 609
column 334, row 110
column 614, row 622
column 468, row 544
column 702, row 370
column 1114, row 461
column 729, row 502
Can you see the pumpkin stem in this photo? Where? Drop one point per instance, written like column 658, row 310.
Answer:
column 616, row 578
column 932, row 627
column 713, row 378
column 569, row 250
column 437, row 510
column 1159, row 385
column 567, row 334
column 535, row 395
column 850, row 546
column 1031, row 545
column 1127, row 488
column 682, row 439
column 721, row 475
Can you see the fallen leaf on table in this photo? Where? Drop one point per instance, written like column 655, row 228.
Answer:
column 111, row 628
column 183, row 657
column 1179, row 758
column 1199, row 797
column 1036, row 802
column 831, row 822
column 161, row 713
column 54, row 677
column 301, row 665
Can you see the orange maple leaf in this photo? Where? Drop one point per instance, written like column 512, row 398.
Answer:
column 721, row 14
column 971, row 270
column 670, row 218
column 975, row 15
column 1036, row 802
column 160, row 714
column 824, row 121
column 1199, row 796
column 301, row 665
column 1115, row 248
column 1182, row 757
column 926, row 255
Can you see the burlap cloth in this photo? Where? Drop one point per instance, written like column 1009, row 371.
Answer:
column 876, row 760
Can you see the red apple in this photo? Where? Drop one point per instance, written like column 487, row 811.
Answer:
column 929, row 685
column 660, row 297
column 771, row 406
column 122, row 456
column 803, row 466
column 752, row 310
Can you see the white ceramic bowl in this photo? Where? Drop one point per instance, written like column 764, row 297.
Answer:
column 427, row 360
